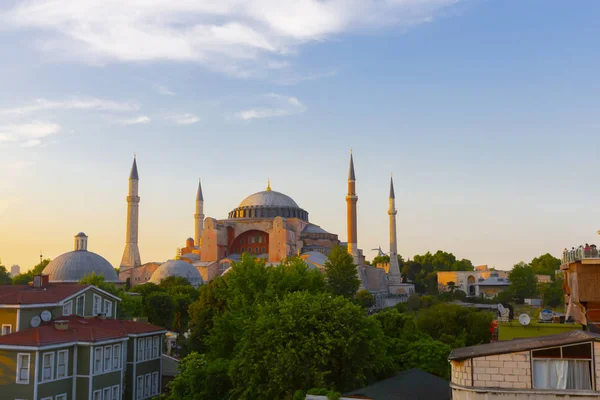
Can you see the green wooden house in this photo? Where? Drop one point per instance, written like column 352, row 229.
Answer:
column 62, row 342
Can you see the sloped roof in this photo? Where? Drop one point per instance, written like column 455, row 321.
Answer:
column 25, row 294
column 513, row 346
column 413, row 384
column 79, row 330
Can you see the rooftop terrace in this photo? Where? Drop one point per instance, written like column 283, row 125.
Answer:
column 580, row 254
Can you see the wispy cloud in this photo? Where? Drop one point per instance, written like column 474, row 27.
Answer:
column 73, row 103
column 162, row 89
column 278, row 106
column 28, row 134
column 233, row 36
column 183, row 119
column 142, row 119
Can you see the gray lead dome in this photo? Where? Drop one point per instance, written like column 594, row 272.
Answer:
column 73, row 266
column 177, row 268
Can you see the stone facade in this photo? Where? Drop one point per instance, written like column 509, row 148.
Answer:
column 466, row 280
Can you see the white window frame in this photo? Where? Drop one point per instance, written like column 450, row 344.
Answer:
column 148, row 349
column 62, row 396
column 590, row 360
column 9, row 329
column 20, row 367
column 97, row 395
column 67, row 308
column 147, row 385
column 98, row 360
column 97, row 300
column 47, row 398
column 107, row 310
column 107, row 361
column 154, row 389
column 104, row 393
column 140, row 350
column 139, row 389
column 66, row 364
column 116, row 361
column 155, row 347
column 43, row 378
column 82, row 297
column 116, row 392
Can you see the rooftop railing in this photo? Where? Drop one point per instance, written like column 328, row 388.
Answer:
column 579, row 254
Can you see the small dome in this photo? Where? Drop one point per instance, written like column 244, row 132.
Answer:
column 177, row 268
column 269, row 198
column 73, row 266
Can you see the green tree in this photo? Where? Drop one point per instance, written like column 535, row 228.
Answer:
column 26, row 277
column 199, row 379
column 523, row 283
column 99, row 282
column 386, row 259
column 552, row 293
column 455, row 325
column 5, row 278
column 429, row 355
column 227, row 302
column 147, row 289
column 451, row 287
column 306, row 340
column 365, row 299
column 340, row 273
column 173, row 281
column 545, row 264
column 160, row 309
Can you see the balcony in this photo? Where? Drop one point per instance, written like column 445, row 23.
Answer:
column 580, row 254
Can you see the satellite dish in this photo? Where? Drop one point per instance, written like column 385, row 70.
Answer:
column 46, row 315
column 501, row 309
column 524, row 319
column 35, row 322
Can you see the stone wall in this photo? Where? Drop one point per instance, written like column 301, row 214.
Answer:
column 511, row 370
column 461, row 372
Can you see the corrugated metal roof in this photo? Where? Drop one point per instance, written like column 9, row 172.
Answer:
column 513, row 346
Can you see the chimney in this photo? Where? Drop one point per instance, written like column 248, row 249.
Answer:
column 41, row 281
column 61, row 325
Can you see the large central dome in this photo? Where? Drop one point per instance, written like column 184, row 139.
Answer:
column 268, row 204
column 268, row 198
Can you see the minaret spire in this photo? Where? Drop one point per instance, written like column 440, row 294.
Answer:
column 131, row 255
column 351, row 200
column 394, row 271
column 268, row 185
column 199, row 216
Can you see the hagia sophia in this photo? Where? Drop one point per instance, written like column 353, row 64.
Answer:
column 267, row 224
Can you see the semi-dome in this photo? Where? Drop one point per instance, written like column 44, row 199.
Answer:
column 268, row 204
column 76, row 265
column 177, row 268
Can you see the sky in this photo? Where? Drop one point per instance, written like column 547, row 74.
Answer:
column 485, row 111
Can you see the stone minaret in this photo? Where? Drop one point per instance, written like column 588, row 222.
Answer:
column 351, row 200
column 394, row 271
column 131, row 255
column 199, row 216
